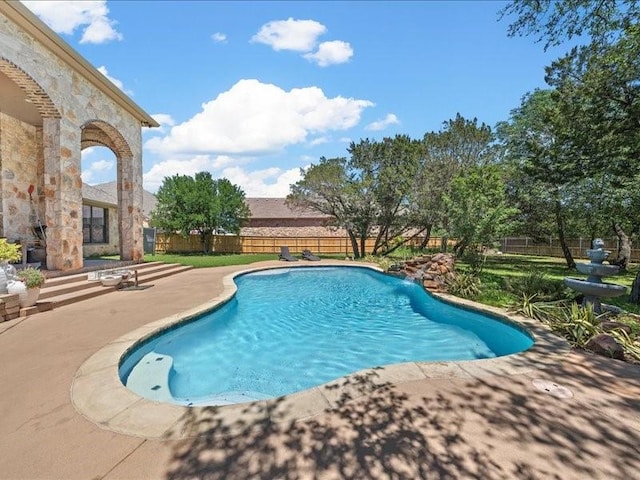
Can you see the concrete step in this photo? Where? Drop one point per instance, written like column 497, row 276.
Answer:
column 74, row 278
column 68, row 289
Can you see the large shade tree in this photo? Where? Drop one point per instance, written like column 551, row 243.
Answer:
column 458, row 146
column 598, row 90
column 366, row 193
column 200, row 204
column 535, row 147
column 477, row 206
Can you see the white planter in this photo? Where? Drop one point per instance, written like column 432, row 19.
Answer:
column 3, row 281
column 27, row 296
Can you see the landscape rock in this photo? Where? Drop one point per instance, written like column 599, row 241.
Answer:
column 432, row 271
column 609, row 325
column 604, row 344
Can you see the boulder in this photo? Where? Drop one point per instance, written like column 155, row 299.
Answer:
column 609, row 325
column 605, row 344
column 431, row 270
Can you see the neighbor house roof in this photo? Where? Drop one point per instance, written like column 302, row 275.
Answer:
column 35, row 27
column 277, row 208
column 97, row 196
column 106, row 194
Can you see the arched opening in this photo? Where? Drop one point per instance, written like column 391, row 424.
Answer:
column 108, row 208
column 27, row 116
column 100, row 236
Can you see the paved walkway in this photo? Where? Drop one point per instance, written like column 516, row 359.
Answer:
column 471, row 426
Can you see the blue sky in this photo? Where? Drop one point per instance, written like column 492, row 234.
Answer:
column 254, row 91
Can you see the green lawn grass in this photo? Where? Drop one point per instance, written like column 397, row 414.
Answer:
column 200, row 260
column 500, row 270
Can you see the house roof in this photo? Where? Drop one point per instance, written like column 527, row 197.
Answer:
column 35, row 27
column 106, row 194
column 277, row 208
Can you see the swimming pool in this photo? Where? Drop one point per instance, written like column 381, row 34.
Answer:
column 290, row 329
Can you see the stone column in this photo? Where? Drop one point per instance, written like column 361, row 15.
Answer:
column 130, row 208
column 63, row 194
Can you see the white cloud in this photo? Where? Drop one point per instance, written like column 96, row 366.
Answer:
column 376, row 126
column 102, row 165
column 319, row 141
column 270, row 182
column 254, row 117
column 164, row 119
column 96, row 167
column 331, row 53
column 290, row 34
column 66, row 16
column 154, row 178
column 118, row 83
column 219, row 37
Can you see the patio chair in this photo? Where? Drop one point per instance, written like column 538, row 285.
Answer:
column 285, row 255
column 307, row 255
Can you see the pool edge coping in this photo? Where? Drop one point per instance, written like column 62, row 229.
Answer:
column 98, row 394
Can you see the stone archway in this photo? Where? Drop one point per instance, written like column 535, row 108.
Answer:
column 29, row 126
column 62, row 102
column 101, row 133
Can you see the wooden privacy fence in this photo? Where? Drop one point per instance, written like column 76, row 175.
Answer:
column 174, row 243
column 552, row 248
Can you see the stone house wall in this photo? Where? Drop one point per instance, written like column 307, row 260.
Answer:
column 75, row 114
column 77, row 111
column 19, row 144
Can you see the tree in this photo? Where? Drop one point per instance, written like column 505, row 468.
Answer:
column 330, row 187
column 459, row 145
column 598, row 90
column 477, row 207
column 534, row 143
column 389, row 169
column 367, row 193
column 200, row 204
column 555, row 21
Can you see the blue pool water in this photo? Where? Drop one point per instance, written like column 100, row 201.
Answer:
column 291, row 329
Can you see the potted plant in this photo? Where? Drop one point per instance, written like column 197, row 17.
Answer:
column 27, row 285
column 9, row 252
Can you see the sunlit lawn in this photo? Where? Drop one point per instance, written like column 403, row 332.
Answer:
column 500, row 269
column 200, row 260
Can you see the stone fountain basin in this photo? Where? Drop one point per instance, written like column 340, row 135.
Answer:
column 595, row 289
column 598, row 270
column 598, row 255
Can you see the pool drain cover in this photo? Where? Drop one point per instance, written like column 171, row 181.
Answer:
column 552, row 388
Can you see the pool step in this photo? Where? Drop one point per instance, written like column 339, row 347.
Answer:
column 150, row 377
column 68, row 289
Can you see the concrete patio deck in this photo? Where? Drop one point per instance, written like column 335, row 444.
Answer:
column 464, row 425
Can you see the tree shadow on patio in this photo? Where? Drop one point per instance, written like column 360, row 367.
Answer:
column 490, row 428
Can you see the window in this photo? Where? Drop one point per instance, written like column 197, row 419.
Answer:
column 94, row 224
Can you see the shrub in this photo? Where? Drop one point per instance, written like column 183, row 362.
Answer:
column 10, row 252
column 537, row 284
column 32, row 277
column 383, row 262
column 465, row 285
column 577, row 324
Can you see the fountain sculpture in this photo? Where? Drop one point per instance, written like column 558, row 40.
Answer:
column 593, row 288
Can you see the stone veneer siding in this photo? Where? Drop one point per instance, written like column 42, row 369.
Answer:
column 19, row 146
column 68, row 103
